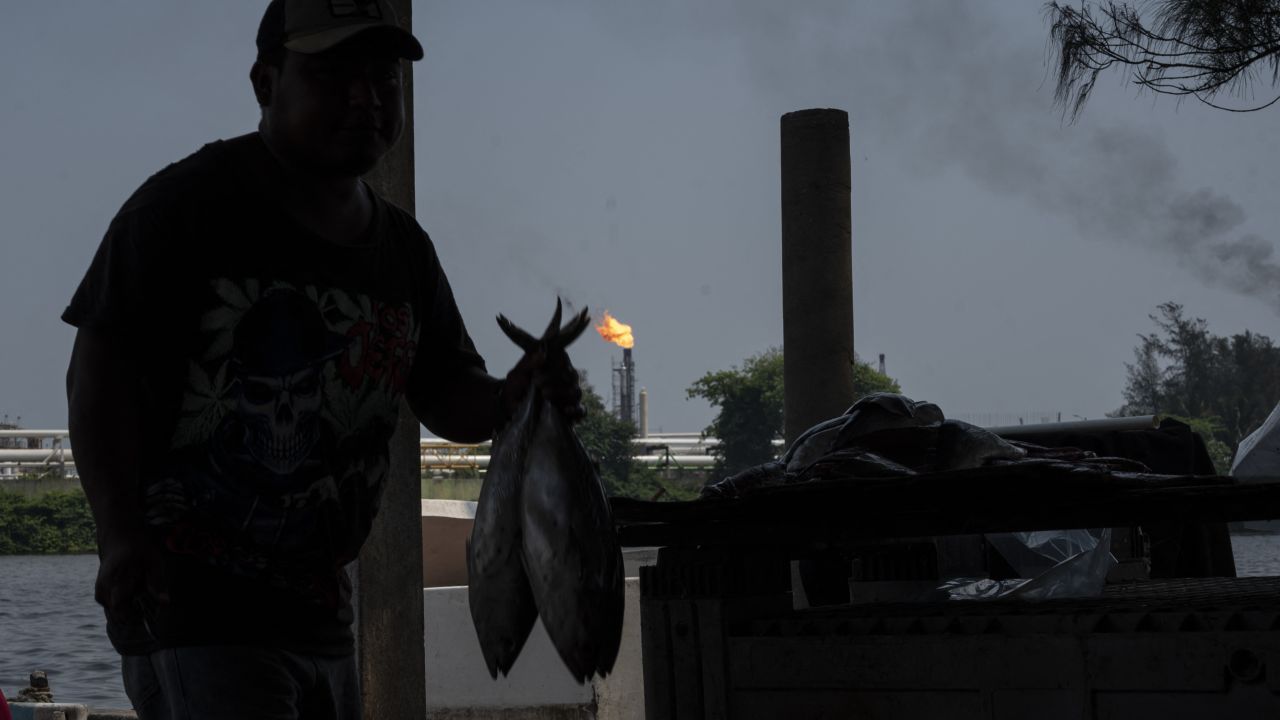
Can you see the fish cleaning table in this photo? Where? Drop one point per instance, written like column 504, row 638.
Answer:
column 722, row 638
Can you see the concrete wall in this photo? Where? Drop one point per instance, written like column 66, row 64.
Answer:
column 539, row 686
column 456, row 673
column 446, row 525
column 621, row 695
column 31, row 487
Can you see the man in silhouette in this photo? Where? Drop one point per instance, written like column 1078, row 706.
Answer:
column 246, row 332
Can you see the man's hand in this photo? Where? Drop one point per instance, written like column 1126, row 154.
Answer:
column 133, row 573
column 555, row 378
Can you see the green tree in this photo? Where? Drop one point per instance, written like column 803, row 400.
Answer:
column 867, row 380
column 1192, row 378
column 749, row 403
column 1196, row 48
column 1142, row 391
column 1224, row 387
column 608, row 441
column 1209, row 430
column 1251, row 385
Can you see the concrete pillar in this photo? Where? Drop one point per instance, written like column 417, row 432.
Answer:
column 388, row 574
column 817, row 268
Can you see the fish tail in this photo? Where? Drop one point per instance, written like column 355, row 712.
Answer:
column 574, row 328
column 553, row 328
column 520, row 337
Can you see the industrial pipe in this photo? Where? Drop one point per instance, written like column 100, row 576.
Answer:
column 482, row 461
column 32, row 433
column 35, row 455
column 1140, row 422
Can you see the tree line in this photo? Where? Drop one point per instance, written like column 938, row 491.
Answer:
column 1224, row 386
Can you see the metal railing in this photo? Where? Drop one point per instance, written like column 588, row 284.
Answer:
column 25, row 452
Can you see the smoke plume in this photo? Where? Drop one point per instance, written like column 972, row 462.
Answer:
column 965, row 85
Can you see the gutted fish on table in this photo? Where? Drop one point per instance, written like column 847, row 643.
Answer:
column 567, row 544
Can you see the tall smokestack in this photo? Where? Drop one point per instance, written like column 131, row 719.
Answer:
column 644, row 413
column 628, row 390
column 882, row 363
column 817, row 268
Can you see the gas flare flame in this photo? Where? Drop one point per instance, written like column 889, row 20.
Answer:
column 615, row 332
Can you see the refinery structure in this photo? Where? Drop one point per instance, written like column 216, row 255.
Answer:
column 623, row 394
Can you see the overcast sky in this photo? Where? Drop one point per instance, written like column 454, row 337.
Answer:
column 626, row 155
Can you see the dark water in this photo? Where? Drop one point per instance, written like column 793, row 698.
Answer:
column 49, row 621
column 1257, row 554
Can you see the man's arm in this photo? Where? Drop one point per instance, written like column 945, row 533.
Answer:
column 464, row 409
column 470, row 406
column 103, row 402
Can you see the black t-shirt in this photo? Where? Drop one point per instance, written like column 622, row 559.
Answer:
column 272, row 363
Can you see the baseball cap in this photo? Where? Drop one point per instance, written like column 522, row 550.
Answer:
column 313, row 26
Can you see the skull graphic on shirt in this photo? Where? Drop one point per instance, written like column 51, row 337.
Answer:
column 280, row 348
column 281, row 417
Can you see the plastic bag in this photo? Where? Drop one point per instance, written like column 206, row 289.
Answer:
column 1257, row 458
column 1052, row 563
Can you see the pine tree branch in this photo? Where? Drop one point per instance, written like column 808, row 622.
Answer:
column 1192, row 47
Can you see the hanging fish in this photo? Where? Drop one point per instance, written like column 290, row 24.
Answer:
column 570, row 547
column 502, row 607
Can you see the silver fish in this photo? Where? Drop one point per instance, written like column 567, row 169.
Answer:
column 502, row 605
column 570, row 546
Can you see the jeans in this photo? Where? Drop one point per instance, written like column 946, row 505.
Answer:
column 241, row 683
